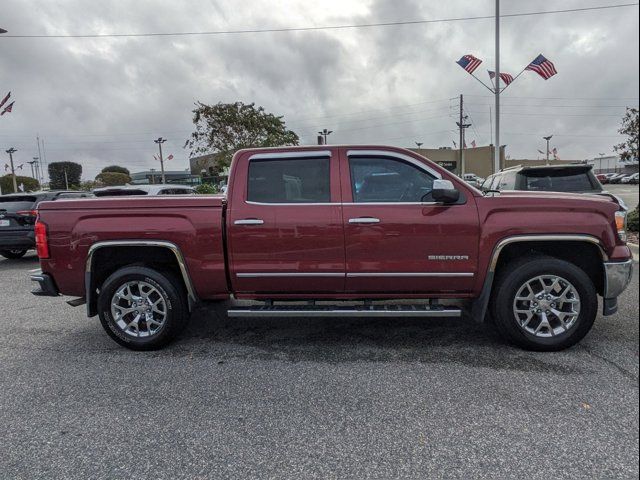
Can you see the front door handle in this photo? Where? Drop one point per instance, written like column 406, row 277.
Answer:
column 249, row 221
column 364, row 220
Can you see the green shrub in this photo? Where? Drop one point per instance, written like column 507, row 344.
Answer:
column 116, row 169
column 206, row 189
column 111, row 179
column 30, row 184
column 632, row 221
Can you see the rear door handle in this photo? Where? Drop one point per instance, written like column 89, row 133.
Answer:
column 364, row 220
column 249, row 221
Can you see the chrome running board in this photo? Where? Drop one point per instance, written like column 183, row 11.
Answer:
column 286, row 311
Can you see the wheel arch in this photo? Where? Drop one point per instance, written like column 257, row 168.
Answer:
column 162, row 255
column 584, row 251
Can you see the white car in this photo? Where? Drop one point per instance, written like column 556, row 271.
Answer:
column 125, row 190
column 630, row 179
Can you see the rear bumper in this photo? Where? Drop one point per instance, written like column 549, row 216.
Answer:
column 20, row 240
column 617, row 276
column 46, row 286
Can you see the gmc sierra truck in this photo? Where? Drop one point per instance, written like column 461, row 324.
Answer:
column 339, row 231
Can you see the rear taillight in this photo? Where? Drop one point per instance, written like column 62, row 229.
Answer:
column 42, row 242
column 28, row 213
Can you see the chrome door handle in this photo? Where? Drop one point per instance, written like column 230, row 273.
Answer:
column 249, row 221
column 364, row 220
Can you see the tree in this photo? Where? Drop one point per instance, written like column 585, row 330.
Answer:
column 57, row 175
column 30, row 184
column 224, row 128
column 116, row 169
column 111, row 179
column 628, row 149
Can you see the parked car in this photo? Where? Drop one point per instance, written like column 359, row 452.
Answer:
column 339, row 224
column 617, row 178
column 17, row 217
column 473, row 179
column 630, row 179
column 604, row 177
column 128, row 190
column 548, row 178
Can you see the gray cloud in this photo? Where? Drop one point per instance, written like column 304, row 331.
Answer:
column 102, row 101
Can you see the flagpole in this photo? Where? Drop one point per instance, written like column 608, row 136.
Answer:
column 496, row 160
column 483, row 84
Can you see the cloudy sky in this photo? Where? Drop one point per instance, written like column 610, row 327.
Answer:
column 102, row 101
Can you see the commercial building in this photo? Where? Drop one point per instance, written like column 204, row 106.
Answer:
column 152, row 177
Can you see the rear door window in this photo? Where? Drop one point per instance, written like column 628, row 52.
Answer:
column 579, row 182
column 291, row 180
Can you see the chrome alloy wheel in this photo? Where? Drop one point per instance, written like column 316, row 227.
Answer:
column 139, row 309
column 546, row 306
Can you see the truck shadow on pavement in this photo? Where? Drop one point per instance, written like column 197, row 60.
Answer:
column 432, row 340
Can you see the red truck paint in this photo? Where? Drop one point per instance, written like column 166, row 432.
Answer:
column 454, row 243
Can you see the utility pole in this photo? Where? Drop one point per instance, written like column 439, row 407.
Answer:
column 547, row 139
column 66, row 180
column 496, row 159
column 40, row 157
column 462, row 126
column 36, row 161
column 325, row 133
column 160, row 141
column 11, row 151
column 32, row 163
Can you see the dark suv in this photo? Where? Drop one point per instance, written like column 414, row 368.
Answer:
column 18, row 215
column 557, row 178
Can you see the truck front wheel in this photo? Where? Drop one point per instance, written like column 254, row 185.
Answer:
column 141, row 308
column 543, row 303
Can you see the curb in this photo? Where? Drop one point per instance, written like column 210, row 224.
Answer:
column 634, row 250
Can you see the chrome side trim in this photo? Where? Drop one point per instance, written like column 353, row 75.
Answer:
column 292, row 204
column 617, row 276
column 305, row 154
column 191, row 293
column 396, row 155
column 288, row 274
column 544, row 238
column 411, row 274
column 286, row 313
column 249, row 221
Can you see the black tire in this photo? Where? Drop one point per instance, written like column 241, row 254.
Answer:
column 13, row 254
column 167, row 286
column 515, row 275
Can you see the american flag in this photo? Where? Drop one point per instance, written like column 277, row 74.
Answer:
column 7, row 109
column 469, row 63
column 505, row 77
column 473, row 144
column 542, row 67
column 4, row 100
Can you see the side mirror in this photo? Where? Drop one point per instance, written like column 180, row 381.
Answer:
column 444, row 191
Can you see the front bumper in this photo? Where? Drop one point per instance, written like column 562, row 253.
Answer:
column 617, row 276
column 47, row 287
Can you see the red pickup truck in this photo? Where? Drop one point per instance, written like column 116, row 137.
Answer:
column 338, row 229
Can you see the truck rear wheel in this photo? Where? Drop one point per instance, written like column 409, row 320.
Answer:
column 141, row 308
column 543, row 303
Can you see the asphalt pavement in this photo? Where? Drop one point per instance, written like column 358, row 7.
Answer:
column 628, row 193
column 310, row 398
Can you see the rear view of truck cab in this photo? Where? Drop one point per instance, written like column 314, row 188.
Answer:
column 347, row 231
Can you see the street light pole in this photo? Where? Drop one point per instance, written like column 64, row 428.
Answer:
column 160, row 141
column 496, row 159
column 419, row 144
column 11, row 151
column 325, row 133
column 547, row 139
